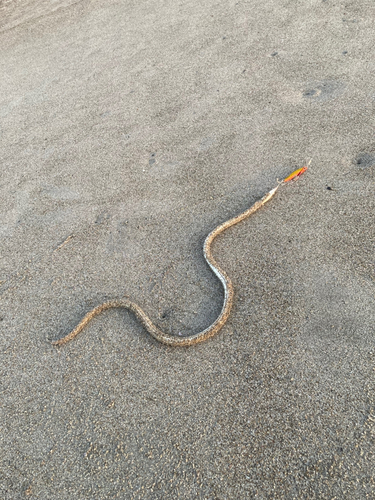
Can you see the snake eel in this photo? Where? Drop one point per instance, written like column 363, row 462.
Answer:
column 152, row 329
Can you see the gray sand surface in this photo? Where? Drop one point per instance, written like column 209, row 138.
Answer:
column 128, row 131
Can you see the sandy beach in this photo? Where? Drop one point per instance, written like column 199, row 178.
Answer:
column 128, row 131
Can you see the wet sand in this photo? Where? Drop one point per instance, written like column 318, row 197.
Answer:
column 128, row 132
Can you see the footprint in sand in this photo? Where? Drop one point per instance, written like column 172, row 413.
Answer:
column 364, row 160
column 323, row 91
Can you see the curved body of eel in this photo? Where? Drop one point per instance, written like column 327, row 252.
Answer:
column 152, row 329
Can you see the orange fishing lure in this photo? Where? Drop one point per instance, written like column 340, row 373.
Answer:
column 297, row 173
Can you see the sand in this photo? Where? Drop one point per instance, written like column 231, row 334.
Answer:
column 128, row 131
